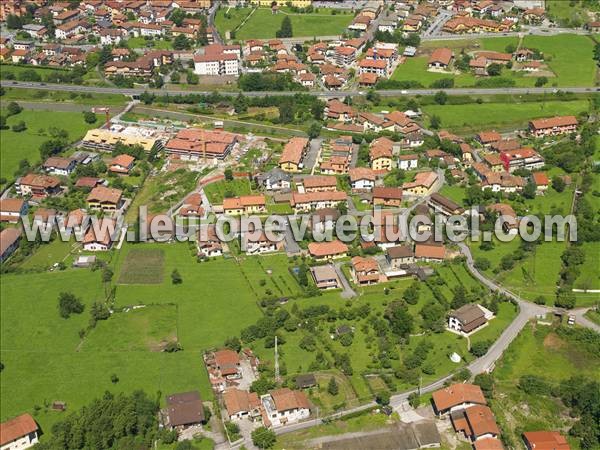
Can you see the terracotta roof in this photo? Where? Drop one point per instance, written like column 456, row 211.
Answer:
column 122, row 160
column 58, row 162
column 430, row 251
column 319, row 181
column 105, row 226
column 226, row 357
column 487, row 137
column 285, row 399
column 310, row 197
column 392, row 193
column 240, row 401
column 361, row 173
column 293, row 150
column 546, row 440
column 8, row 236
column 367, row 78
column 243, row 201
column 105, row 195
column 18, row 427
column 87, row 182
column 422, row 179
column 361, row 264
column 332, row 248
column 45, row 181
column 458, row 394
column 561, row 121
column 540, row 179
column 441, row 55
column 11, row 205
column 481, row 420
column 470, row 317
column 490, row 443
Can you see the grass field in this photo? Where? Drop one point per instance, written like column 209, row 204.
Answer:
column 25, row 145
column 589, row 278
column 568, row 56
column 48, row 254
column 141, row 42
column 538, row 350
column 42, row 96
column 263, row 24
column 143, row 329
column 472, row 117
column 143, row 266
column 217, row 191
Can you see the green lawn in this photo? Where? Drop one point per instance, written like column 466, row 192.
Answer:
column 538, row 350
column 473, row 116
column 589, row 277
column 25, row 145
column 48, row 254
column 217, row 191
column 455, row 193
column 569, row 56
column 263, row 24
column 42, row 96
column 141, row 42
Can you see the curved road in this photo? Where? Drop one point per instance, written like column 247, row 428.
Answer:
column 486, row 363
column 325, row 94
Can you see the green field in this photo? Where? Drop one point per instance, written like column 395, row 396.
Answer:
column 141, row 42
column 217, row 191
column 473, row 116
column 43, row 96
column 263, row 24
column 538, row 350
column 568, row 56
column 48, row 254
column 142, row 266
column 25, row 145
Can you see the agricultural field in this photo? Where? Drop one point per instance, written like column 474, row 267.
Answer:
column 568, row 56
column 142, row 266
column 15, row 146
column 261, row 23
column 544, row 352
column 473, row 117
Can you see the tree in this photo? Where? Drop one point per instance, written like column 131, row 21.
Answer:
column 480, row 348
column 114, row 379
column 181, row 42
column 228, row 173
column 332, row 386
column 52, row 147
column 69, row 304
column 383, row 398
column 414, row 400
column 314, row 130
column 240, row 104
column 89, row 117
column 286, row 112
column 3, row 125
column 558, row 183
column 13, row 108
column 507, row 262
column 435, row 122
column 234, row 344
column 262, row 385
column 486, row 382
column 411, row 294
column 19, row 126
column 401, row 322
column 286, row 28
column 176, row 277
column 540, row 81
column 482, row 263
column 529, row 190
column 13, row 22
column 262, row 437
column 494, row 70
column 192, row 78
column 440, row 98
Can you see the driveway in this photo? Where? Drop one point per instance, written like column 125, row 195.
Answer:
column 313, row 153
column 347, row 292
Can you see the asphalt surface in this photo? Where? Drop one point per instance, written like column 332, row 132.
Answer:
column 324, row 94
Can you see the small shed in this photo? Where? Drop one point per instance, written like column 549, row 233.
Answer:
column 306, row 381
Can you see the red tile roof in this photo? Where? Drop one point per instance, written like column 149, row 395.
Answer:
column 561, row 121
column 441, row 55
column 546, row 440
column 321, row 249
column 16, row 428
column 458, row 394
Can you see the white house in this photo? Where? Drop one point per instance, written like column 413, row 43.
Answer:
column 101, row 237
column 284, row 406
column 217, row 64
column 57, row 165
column 408, row 162
column 19, row 433
column 150, row 29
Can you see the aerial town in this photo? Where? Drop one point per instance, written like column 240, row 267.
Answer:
column 301, row 224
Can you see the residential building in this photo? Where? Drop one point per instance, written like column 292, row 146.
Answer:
column 104, row 198
column 457, row 397
column 57, row 165
column 444, row 205
column 525, row 157
column 194, row 144
column 467, row 319
column 319, row 183
column 541, row 181
column 317, row 200
column 245, row 204
column 399, row 256
column 240, row 404
column 545, row 440
column 121, row 164
column 440, row 58
column 428, row 252
column 105, row 140
column 37, row 185
column 274, row 180
column 366, row 271
column 293, row 154
column 217, row 64
column 408, row 162
column 184, row 410
column 476, row 422
column 553, row 126
column 9, row 242
column 422, row 185
column 209, row 245
column 325, row 277
column 257, row 245
column 12, row 209
column 487, row 138
column 387, row 196
column 327, row 250
column 22, row 431
column 380, row 155
column 101, row 237
column 362, row 179
column 284, row 406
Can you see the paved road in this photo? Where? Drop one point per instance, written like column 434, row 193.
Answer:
column 536, row 31
column 323, row 94
column 584, row 321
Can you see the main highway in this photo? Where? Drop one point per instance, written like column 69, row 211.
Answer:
column 321, row 93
